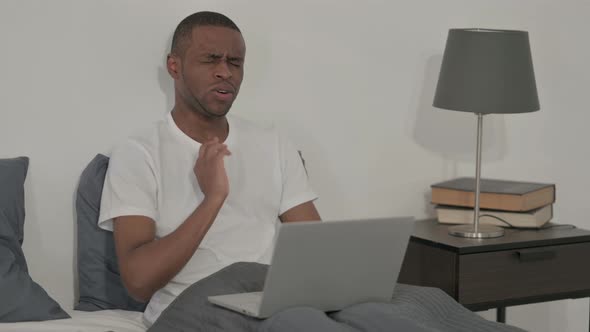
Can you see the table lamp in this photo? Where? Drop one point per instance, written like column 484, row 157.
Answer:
column 485, row 71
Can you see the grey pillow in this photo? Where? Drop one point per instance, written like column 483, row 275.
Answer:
column 22, row 298
column 100, row 284
column 12, row 192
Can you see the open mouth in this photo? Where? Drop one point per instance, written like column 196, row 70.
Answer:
column 224, row 94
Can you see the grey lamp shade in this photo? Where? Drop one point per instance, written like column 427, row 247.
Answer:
column 487, row 71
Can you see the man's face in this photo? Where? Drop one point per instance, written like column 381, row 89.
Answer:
column 211, row 71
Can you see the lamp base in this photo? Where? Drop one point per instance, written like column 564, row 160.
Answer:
column 484, row 231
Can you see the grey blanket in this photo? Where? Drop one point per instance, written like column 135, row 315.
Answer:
column 412, row 309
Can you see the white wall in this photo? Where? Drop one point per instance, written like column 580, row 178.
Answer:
column 350, row 81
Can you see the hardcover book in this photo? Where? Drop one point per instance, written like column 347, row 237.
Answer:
column 494, row 194
column 530, row 219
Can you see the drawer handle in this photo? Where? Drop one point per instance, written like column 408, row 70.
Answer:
column 535, row 255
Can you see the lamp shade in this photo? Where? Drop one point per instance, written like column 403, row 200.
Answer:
column 487, row 71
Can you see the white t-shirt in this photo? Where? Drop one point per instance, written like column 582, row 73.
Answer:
column 151, row 175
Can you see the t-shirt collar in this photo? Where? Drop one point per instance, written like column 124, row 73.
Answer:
column 186, row 139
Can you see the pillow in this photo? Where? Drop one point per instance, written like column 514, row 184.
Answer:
column 22, row 298
column 100, row 284
column 12, row 192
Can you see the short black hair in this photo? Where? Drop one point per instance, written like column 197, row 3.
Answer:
column 183, row 33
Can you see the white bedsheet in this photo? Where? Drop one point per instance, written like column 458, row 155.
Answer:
column 81, row 321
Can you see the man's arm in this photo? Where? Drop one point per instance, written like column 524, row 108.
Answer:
column 148, row 264
column 301, row 212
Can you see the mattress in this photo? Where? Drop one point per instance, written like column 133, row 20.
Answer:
column 81, row 321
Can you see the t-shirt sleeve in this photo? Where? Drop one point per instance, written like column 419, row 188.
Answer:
column 129, row 187
column 296, row 187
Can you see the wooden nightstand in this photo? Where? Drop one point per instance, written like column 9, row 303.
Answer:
column 523, row 266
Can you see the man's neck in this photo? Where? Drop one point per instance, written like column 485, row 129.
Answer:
column 199, row 127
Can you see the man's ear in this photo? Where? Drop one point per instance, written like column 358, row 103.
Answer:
column 173, row 66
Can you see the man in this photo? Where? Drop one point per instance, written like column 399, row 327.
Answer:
column 201, row 190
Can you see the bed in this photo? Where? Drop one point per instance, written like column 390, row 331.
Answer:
column 97, row 321
column 412, row 309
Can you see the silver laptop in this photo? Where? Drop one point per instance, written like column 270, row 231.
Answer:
column 328, row 266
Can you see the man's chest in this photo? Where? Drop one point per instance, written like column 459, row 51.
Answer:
column 254, row 195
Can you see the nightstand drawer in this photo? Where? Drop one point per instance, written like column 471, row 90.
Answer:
column 521, row 273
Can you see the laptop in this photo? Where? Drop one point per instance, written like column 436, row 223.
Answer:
column 328, row 266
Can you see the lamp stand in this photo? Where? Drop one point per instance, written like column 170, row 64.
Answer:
column 476, row 231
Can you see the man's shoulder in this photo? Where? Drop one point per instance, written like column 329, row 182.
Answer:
column 261, row 134
column 248, row 127
column 145, row 140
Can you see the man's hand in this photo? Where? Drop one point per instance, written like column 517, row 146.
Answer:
column 210, row 170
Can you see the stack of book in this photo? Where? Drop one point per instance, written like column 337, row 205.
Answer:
column 502, row 203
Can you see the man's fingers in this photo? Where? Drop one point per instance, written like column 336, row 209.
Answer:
column 204, row 147
column 222, row 151
column 211, row 142
column 202, row 150
column 215, row 149
column 219, row 152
